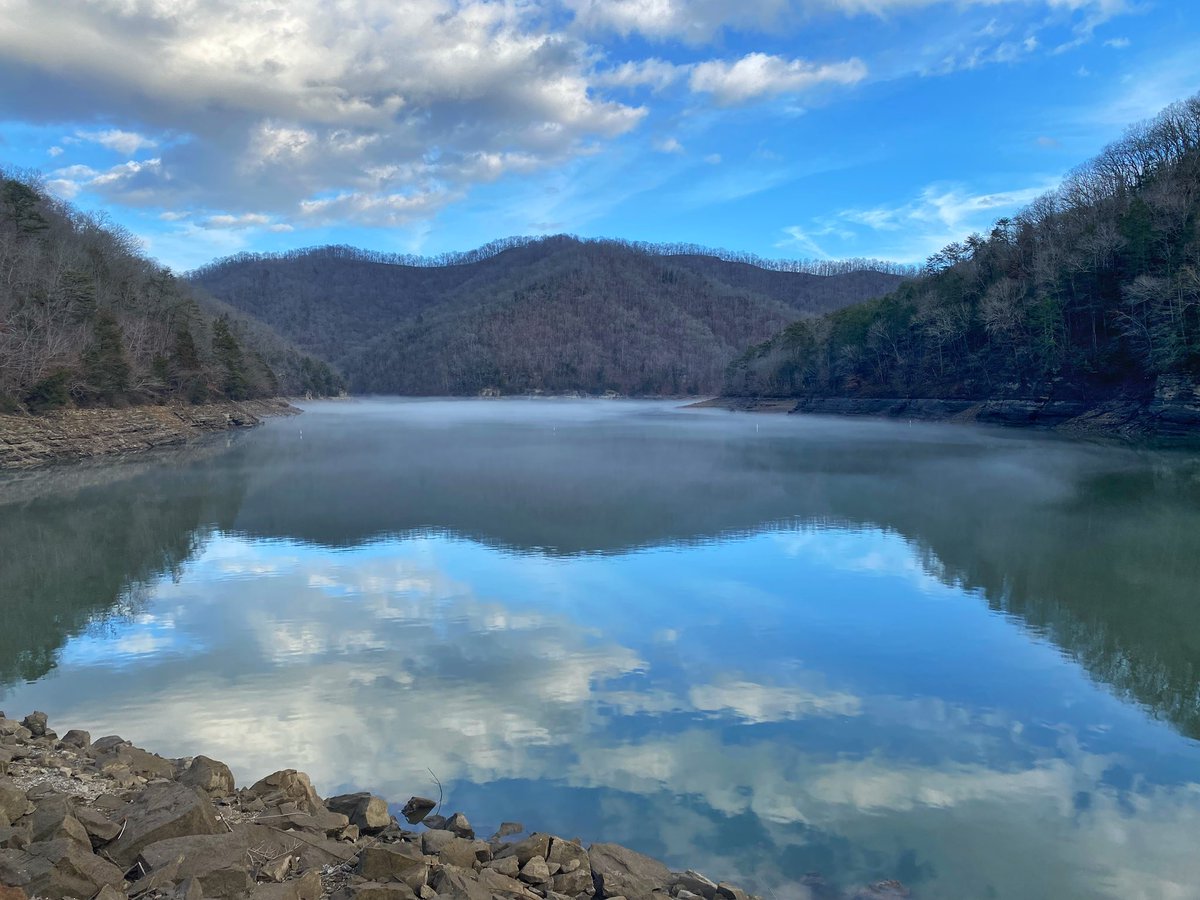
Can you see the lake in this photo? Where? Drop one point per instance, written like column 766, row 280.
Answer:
column 758, row 646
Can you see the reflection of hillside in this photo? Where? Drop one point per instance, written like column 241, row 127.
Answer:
column 78, row 544
column 1098, row 548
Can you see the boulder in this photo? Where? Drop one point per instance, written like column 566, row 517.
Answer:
column 460, row 884
column 497, row 883
column 417, row 808
column 287, row 785
column 159, row 813
column 367, row 811
column 695, row 883
column 437, row 822
column 100, row 828
column 54, row 818
column 507, row 828
column 36, row 723
column 394, row 862
column 277, row 869
column 536, row 871
column 12, row 893
column 535, row 845
column 134, row 760
column 729, row 892
column 507, row 866
column 449, row 848
column 621, row 871
column 306, row 887
column 210, row 776
column 220, row 862
column 76, row 738
column 74, row 870
column 13, row 802
column 458, row 824
column 108, row 744
column 373, row 890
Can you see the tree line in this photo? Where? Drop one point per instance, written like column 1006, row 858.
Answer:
column 1091, row 291
column 87, row 320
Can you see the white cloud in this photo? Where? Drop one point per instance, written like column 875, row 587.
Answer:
column 1119, row 43
column 758, row 75
column 655, row 74
column 125, row 142
column 668, row 145
column 54, row 151
column 713, row 159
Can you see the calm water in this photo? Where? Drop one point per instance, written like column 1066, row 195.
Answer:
column 758, row 646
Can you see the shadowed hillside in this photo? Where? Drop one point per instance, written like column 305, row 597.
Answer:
column 556, row 314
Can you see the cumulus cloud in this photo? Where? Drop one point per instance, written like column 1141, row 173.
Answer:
column 302, row 109
column 758, row 75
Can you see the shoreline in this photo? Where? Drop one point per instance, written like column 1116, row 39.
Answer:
column 106, row 820
column 28, row 441
column 1172, row 414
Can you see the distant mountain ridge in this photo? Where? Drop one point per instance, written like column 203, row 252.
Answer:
column 552, row 314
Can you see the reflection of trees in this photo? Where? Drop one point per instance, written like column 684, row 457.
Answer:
column 79, row 544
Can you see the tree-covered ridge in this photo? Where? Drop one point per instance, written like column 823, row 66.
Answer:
column 1091, row 292
column 86, row 320
column 553, row 314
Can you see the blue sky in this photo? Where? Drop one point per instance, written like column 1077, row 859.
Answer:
column 810, row 128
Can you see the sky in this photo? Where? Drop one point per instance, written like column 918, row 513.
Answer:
column 820, row 129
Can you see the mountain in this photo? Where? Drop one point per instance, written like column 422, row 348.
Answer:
column 553, row 314
column 85, row 319
column 1090, row 295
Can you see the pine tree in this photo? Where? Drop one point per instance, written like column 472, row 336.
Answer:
column 228, row 352
column 105, row 367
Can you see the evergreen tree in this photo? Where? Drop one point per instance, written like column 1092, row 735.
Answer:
column 105, row 367
column 228, row 352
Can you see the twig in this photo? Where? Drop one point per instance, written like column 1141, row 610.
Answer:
column 438, row 808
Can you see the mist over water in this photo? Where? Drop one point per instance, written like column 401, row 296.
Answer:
column 757, row 646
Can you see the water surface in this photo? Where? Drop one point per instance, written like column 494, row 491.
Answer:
column 759, row 646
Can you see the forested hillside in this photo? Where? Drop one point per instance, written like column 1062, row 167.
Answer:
column 553, row 314
column 1088, row 294
column 86, row 320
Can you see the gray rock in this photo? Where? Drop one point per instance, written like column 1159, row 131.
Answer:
column 76, row 738
column 394, row 862
column 54, row 818
column 287, row 785
column 621, row 871
column 372, row 890
column 276, row 870
column 13, row 802
column 306, row 887
column 577, row 882
column 74, row 870
column 417, row 808
column 107, row 744
column 437, row 823
column 694, row 883
column 498, row 883
column 161, row 812
column 449, row 848
column 209, row 775
column 367, row 811
column 507, row 866
column 535, row 871
column 509, row 828
column 460, row 826
column 36, row 723
column 136, row 761
column 535, row 845
column 729, row 892
column 455, row 882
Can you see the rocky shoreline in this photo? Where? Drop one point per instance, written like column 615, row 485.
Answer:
column 30, row 441
column 105, row 820
column 1172, row 412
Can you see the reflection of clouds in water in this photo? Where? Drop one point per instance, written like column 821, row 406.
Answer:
column 369, row 667
column 863, row 550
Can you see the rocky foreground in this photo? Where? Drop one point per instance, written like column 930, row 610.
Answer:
column 107, row 820
column 29, row 441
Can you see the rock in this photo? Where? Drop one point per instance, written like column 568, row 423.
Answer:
column 394, row 862
column 210, row 776
column 497, row 883
column 426, row 893
column 13, row 802
column 162, row 812
column 417, row 808
column 36, row 723
column 435, row 822
column 107, row 744
column 368, row 812
column 535, row 871
column 695, row 883
column 574, row 876
column 12, row 893
column 621, row 871
column 535, row 845
column 458, row 824
column 287, row 785
column 54, row 819
column 188, row 889
column 449, row 848
column 76, row 738
column 74, row 870
column 100, row 828
column 276, row 869
column 372, row 890
column 506, row 866
column 306, row 887
column 461, row 884
column 108, row 892
column 136, row 761
column 729, row 892
column 507, row 828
